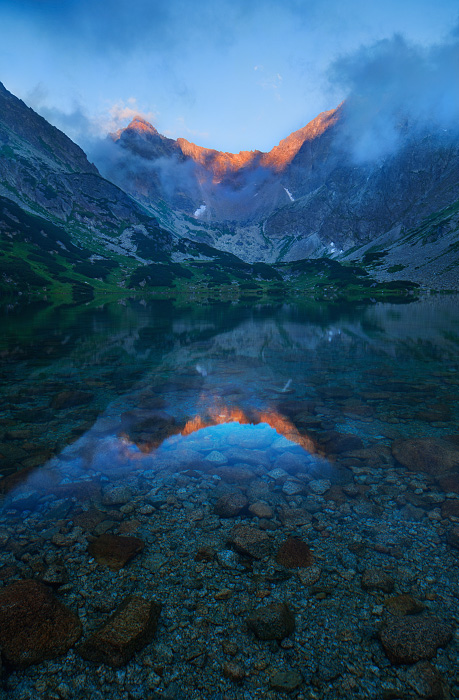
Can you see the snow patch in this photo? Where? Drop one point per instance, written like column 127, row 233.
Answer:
column 289, row 194
column 199, row 212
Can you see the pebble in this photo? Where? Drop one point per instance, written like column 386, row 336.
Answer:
column 286, row 681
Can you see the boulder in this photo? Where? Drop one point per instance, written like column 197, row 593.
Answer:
column 34, row 624
column 127, row 630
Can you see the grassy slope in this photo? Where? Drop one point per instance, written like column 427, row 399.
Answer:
column 39, row 259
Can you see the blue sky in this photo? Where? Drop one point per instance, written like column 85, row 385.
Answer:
column 231, row 75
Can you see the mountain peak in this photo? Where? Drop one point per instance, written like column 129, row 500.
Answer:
column 141, row 125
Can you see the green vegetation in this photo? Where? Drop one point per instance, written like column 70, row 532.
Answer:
column 40, row 260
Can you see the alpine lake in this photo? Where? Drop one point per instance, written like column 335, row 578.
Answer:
column 229, row 500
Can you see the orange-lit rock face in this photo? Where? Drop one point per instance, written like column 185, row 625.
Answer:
column 220, row 165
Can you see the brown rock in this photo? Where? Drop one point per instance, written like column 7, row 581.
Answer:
column 114, row 551
column 88, row 519
column 450, row 508
column 230, row 504
column 377, row 580
column 427, row 682
column 250, row 540
column 261, row 510
column 294, row 553
column 233, row 671
column 274, row 621
column 411, row 639
column 131, row 627
column 205, row 554
column 34, row 624
column 428, row 455
column 403, row 604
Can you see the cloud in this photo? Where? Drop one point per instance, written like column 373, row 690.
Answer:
column 82, row 128
column 394, row 84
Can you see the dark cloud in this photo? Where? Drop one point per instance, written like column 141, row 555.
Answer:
column 393, row 85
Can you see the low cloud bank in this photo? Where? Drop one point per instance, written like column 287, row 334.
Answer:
column 394, row 87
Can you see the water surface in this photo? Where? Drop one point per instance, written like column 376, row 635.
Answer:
column 334, row 426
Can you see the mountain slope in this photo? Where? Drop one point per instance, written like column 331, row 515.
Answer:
column 308, row 196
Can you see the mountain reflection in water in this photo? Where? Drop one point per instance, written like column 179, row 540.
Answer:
column 220, row 460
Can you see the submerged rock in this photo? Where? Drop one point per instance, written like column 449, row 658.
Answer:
column 34, row 624
column 114, row 551
column 377, row 580
column 250, row 540
column 403, row 604
column 428, row 455
column 274, row 621
column 129, row 629
column 286, row 681
column 427, row 682
column 294, row 553
column 230, row 505
column 411, row 639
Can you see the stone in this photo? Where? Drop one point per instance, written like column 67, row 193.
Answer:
column 230, row 504
column 34, row 624
column 114, row 551
column 55, row 575
column 233, row 671
column 403, row 604
column 377, row 580
column 294, row 517
column 351, row 490
column 261, row 510
column 292, row 488
column 294, row 553
column 450, row 508
column 428, row 455
column 205, row 553
column 116, row 495
column 411, row 639
column 127, row 630
column 427, row 682
column 250, row 540
column 286, row 681
column 228, row 559
column 275, row 621
column 70, row 399
column 216, row 457
column 320, row 486
column 309, row 576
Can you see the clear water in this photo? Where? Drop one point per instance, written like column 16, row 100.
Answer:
column 296, row 408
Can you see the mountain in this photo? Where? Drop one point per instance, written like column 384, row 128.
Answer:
column 308, row 196
column 67, row 230
column 198, row 224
